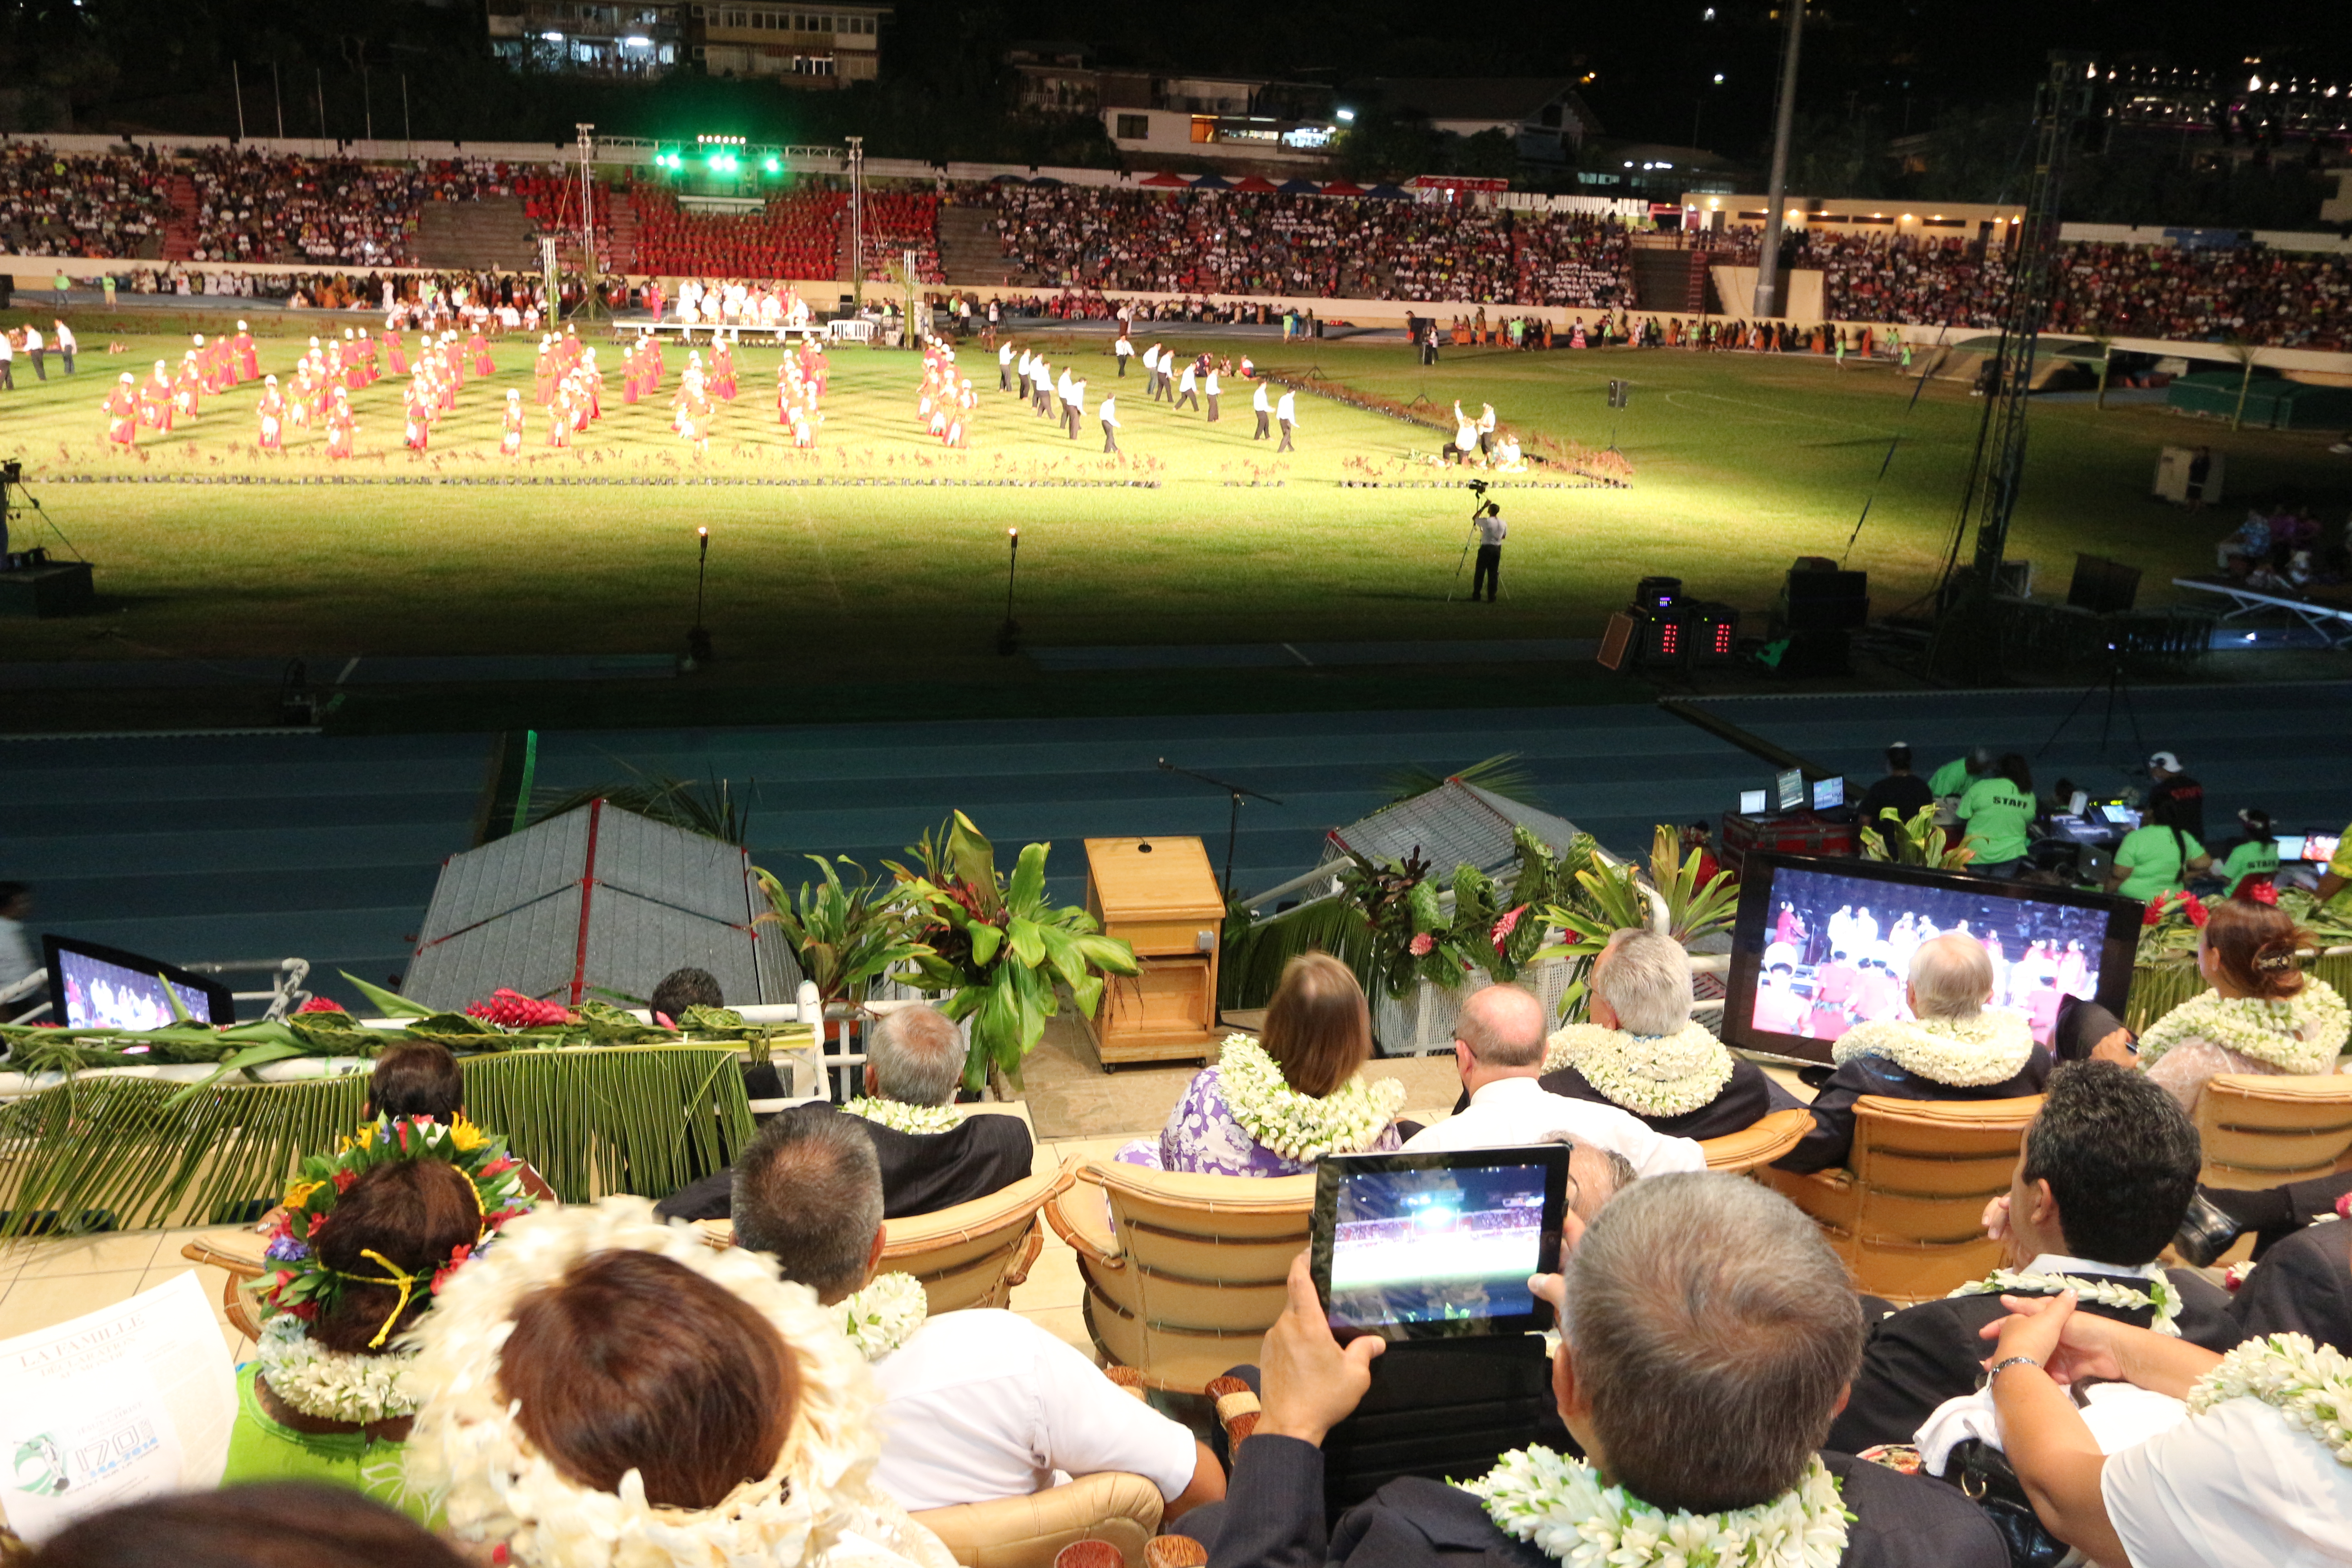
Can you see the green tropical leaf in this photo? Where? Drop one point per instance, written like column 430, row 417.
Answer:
column 1028, row 893
column 1028, row 947
column 391, row 1003
column 1086, row 994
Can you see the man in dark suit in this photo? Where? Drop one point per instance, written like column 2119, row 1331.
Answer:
column 2106, row 1172
column 1649, row 1057
column 931, row 1159
column 1707, row 1413
column 1955, row 1035
column 2304, row 1287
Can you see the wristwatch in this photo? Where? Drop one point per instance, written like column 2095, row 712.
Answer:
column 2005, row 1363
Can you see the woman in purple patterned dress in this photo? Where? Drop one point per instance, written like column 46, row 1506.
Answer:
column 1270, row 1107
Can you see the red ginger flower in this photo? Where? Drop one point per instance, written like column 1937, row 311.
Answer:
column 1505, row 924
column 320, row 1005
column 1421, row 944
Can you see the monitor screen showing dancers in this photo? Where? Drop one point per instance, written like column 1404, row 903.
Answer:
column 1420, row 1247
column 1837, row 950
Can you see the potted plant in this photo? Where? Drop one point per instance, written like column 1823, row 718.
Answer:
column 847, row 934
column 996, row 948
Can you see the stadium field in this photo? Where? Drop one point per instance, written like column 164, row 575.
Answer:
column 1740, row 464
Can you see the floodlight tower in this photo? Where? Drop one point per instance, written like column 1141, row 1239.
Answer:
column 1998, row 468
column 1768, row 303
column 857, row 220
column 592, row 303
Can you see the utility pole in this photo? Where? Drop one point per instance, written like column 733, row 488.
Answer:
column 236, row 79
column 857, row 220
column 367, row 97
column 407, row 129
column 1766, row 303
column 277, row 95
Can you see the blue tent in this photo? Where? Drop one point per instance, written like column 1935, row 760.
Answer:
column 1295, row 187
column 1387, row 193
column 1213, row 183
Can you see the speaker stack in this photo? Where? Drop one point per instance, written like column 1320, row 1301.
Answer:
column 1662, row 627
column 1820, row 608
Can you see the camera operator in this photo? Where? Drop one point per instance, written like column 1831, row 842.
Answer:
column 1492, row 532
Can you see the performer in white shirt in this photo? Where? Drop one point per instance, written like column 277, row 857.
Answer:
column 1485, row 429
column 1163, row 392
column 1108, row 412
column 67, row 347
column 1124, row 349
column 1188, row 387
column 33, row 349
column 1285, row 414
column 1074, row 404
column 1262, row 405
column 1005, row 368
column 1062, row 392
column 7, row 363
column 977, row 1405
column 1041, row 386
column 1210, row 388
column 1498, row 1048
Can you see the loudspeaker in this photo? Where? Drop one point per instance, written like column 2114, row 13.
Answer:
column 1621, row 394
column 1712, row 632
column 1824, row 601
column 1657, row 593
column 1662, row 635
column 2103, row 587
column 43, row 591
column 1616, row 641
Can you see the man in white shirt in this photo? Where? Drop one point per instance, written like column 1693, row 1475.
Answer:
column 67, row 347
column 7, row 363
column 1210, row 387
column 1124, row 350
column 1262, row 406
column 1188, row 387
column 1167, row 374
column 1108, row 412
column 1073, row 404
column 17, row 956
column 33, row 349
column 1498, row 1048
column 977, row 1405
column 1492, row 532
column 1285, row 414
column 1004, row 367
column 1041, row 386
column 1062, row 391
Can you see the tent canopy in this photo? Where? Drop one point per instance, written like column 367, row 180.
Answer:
column 1343, row 188
column 1255, row 183
column 1167, row 182
column 1212, row 182
column 1387, row 193
column 1296, row 187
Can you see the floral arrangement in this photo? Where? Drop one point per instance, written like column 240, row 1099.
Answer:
column 2107, row 1291
column 2169, row 928
column 903, row 1116
column 1491, row 928
column 1564, row 1509
column 1649, row 1075
column 885, row 1315
column 2301, row 1034
column 511, row 1009
column 299, row 1284
column 2309, row 1384
column 1299, row 1126
column 1965, row 1053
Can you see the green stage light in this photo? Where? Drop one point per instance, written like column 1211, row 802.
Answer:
column 775, row 165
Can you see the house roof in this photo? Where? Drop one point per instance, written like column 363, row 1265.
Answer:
column 1484, row 97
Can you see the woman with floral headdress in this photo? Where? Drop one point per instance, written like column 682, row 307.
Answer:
column 605, row 1390
column 2263, row 1016
column 364, row 1244
column 1273, row 1106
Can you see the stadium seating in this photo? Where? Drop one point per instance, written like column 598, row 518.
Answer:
column 1757, row 1146
column 794, row 236
column 1906, row 1212
column 53, row 204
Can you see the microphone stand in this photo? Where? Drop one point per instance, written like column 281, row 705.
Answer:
column 1234, row 827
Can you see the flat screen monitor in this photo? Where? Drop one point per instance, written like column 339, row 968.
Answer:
column 97, row 988
column 1438, row 1246
column 2320, row 848
column 1751, row 802
column 1827, row 794
column 2122, row 816
column 1821, row 945
column 2289, row 847
column 1790, row 789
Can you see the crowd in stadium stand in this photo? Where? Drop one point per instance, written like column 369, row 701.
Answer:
column 56, row 203
column 796, row 235
column 897, row 222
column 255, row 207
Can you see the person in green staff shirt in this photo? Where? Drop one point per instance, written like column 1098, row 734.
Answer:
column 1951, row 781
column 2339, row 870
column 2157, row 857
column 2253, row 858
column 1999, row 810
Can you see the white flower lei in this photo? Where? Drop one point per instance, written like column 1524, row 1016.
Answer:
column 1652, row 1075
column 2108, row 1292
column 333, row 1386
column 2309, row 1384
column 885, row 1315
column 2300, row 1034
column 1562, row 1506
column 903, row 1116
column 1299, row 1126
column 1965, row 1053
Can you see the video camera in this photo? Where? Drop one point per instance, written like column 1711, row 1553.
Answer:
column 1477, row 487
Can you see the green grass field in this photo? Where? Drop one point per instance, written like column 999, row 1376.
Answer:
column 1740, row 465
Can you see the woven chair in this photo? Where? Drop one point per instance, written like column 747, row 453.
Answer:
column 240, row 1266
column 1184, row 1273
column 2264, row 1130
column 1907, row 1213
column 1760, row 1144
column 1112, row 1507
column 971, row 1255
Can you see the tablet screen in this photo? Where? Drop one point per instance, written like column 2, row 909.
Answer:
column 1428, row 1246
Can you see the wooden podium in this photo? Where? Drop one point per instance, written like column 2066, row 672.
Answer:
column 1159, row 896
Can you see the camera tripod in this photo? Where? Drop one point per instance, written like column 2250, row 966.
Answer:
column 2118, row 690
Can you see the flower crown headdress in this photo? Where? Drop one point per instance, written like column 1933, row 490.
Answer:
column 300, row 1282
